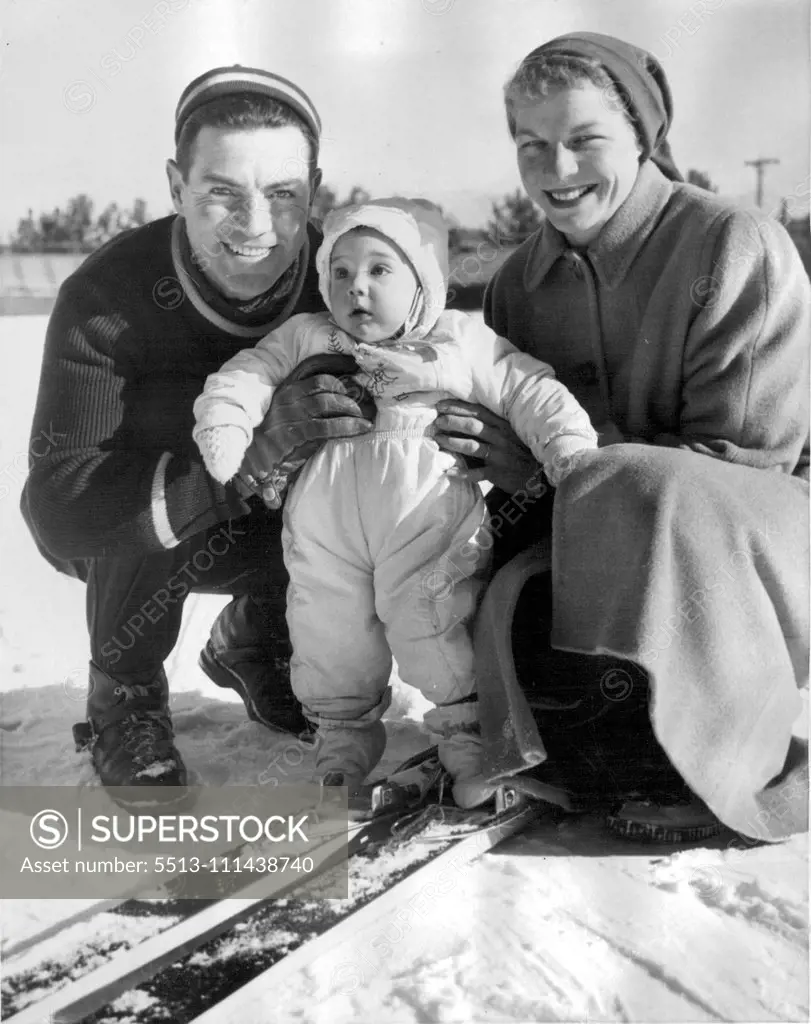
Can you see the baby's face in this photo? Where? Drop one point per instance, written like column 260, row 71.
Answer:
column 372, row 285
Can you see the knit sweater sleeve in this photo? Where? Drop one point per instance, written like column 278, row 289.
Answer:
column 94, row 493
column 745, row 367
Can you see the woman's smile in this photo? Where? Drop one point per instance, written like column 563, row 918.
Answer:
column 567, row 197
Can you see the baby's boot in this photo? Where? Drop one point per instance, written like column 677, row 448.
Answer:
column 460, row 751
column 346, row 754
column 348, row 749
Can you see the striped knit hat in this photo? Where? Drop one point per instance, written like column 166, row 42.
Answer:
column 237, row 80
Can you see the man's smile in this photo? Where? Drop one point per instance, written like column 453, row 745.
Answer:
column 248, row 252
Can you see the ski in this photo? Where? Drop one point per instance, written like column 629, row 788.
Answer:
column 92, row 991
column 514, row 813
column 372, row 812
column 400, row 791
column 435, row 828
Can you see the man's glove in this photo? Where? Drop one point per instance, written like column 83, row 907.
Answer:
column 318, row 402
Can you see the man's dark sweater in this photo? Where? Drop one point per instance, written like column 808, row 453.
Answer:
column 130, row 343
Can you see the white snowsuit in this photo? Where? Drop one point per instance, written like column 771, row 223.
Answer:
column 386, row 552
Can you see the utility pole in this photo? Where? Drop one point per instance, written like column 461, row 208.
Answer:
column 759, row 164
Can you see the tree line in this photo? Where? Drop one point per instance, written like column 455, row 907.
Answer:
column 75, row 228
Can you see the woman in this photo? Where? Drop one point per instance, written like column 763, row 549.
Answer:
column 682, row 324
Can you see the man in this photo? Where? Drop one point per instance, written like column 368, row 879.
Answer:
column 123, row 501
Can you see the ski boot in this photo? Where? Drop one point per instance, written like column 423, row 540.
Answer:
column 246, row 654
column 129, row 735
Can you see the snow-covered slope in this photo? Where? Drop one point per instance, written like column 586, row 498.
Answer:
column 563, row 923
column 560, row 924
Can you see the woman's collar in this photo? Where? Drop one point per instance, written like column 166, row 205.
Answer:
column 615, row 248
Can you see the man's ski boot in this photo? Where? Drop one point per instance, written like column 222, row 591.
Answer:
column 129, row 735
column 245, row 653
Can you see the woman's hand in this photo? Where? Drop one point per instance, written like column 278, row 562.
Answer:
column 508, row 463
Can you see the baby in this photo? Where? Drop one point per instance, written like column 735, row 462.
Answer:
column 385, row 548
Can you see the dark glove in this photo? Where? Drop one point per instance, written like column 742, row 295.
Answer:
column 319, row 401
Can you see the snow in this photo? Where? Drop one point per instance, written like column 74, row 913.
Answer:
column 557, row 925
column 58, row 949
column 562, row 923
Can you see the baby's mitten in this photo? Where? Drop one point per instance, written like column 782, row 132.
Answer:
column 223, row 449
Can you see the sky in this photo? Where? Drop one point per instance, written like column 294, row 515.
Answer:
column 409, row 91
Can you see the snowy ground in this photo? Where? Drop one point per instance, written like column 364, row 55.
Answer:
column 563, row 923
